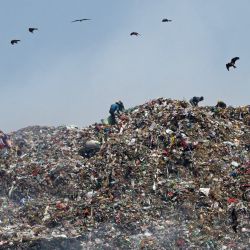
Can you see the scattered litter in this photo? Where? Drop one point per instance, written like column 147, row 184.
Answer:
column 167, row 175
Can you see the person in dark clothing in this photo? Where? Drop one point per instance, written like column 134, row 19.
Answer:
column 5, row 145
column 116, row 108
column 195, row 100
column 221, row 104
column 4, row 140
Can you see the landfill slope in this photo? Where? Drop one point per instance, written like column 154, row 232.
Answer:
column 167, row 176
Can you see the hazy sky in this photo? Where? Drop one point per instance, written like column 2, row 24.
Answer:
column 70, row 73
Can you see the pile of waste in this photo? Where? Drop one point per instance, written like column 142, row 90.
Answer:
column 166, row 176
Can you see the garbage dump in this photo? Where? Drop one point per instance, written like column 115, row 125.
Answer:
column 167, row 175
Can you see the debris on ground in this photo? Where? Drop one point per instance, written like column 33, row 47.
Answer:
column 166, row 176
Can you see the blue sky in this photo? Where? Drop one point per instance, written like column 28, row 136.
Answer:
column 70, row 73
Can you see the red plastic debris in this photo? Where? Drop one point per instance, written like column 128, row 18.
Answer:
column 232, row 200
column 165, row 152
column 60, row 205
column 170, row 194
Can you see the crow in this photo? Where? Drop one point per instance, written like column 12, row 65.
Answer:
column 80, row 20
column 232, row 63
column 134, row 34
column 31, row 30
column 166, row 20
column 14, row 41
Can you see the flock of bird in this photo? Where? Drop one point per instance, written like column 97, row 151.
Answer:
column 15, row 41
column 31, row 30
column 164, row 20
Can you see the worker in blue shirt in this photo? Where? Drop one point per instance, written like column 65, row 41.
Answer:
column 116, row 108
column 195, row 100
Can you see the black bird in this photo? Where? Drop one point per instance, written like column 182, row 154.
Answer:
column 80, row 20
column 14, row 41
column 232, row 63
column 166, row 20
column 134, row 34
column 31, row 30
column 234, row 220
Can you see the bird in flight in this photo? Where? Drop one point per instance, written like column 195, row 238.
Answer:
column 14, row 41
column 31, row 30
column 232, row 63
column 166, row 20
column 80, row 20
column 134, row 34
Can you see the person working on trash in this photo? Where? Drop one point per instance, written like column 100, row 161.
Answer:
column 116, row 108
column 4, row 140
column 5, row 145
column 221, row 104
column 195, row 100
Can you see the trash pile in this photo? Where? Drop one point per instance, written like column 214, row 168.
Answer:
column 166, row 176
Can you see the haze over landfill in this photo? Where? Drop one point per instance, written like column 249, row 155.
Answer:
column 70, row 73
